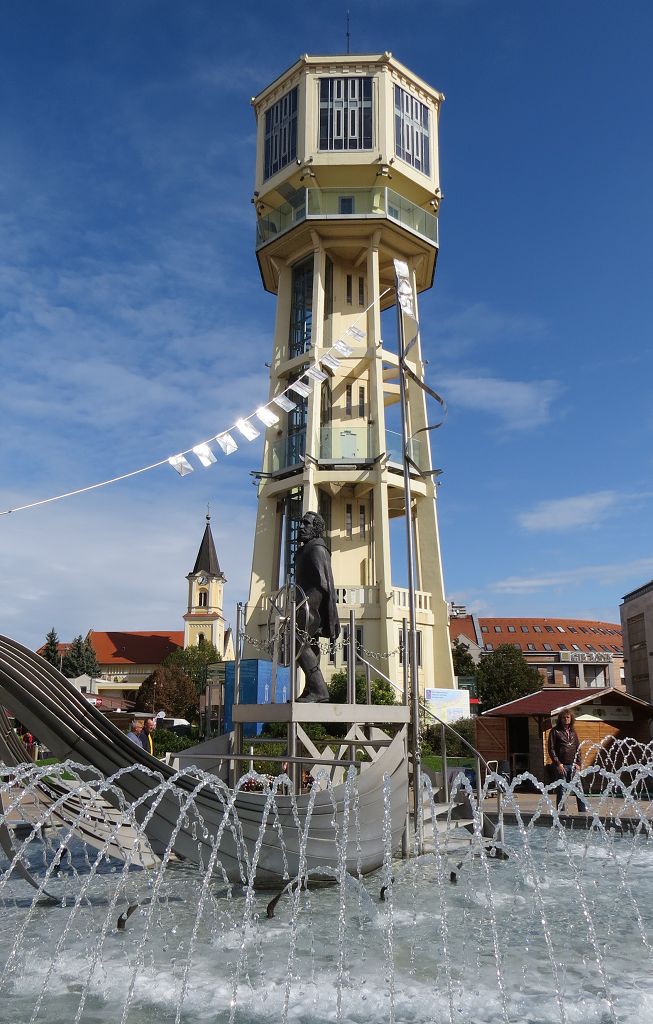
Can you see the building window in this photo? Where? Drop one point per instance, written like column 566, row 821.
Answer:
column 531, row 647
column 537, row 629
column 511, row 629
column 328, row 286
column 361, row 291
column 563, row 647
column 419, row 647
column 412, row 136
column 349, row 516
column 345, row 113
column 301, row 308
column 497, row 629
column 292, row 510
column 361, row 402
column 345, row 642
column 361, row 520
column 583, row 629
column 484, row 629
column 524, row 629
column 560, row 629
column 575, row 647
column 547, row 647
column 350, row 295
column 281, row 133
column 549, row 629
column 572, row 629
column 203, row 599
column 348, row 390
column 346, row 206
column 590, row 647
column 489, row 647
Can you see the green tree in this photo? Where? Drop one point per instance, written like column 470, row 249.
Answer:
column 381, row 691
column 90, row 659
column 169, row 688
column 463, row 663
column 192, row 661
column 505, row 675
column 74, row 660
column 51, row 649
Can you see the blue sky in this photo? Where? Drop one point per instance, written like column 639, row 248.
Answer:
column 134, row 324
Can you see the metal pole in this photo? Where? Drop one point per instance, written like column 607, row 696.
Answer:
column 351, row 659
column 292, row 725
column 404, row 642
column 410, row 564
column 239, row 624
column 445, row 764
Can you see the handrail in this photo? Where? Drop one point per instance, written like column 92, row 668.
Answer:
column 444, row 725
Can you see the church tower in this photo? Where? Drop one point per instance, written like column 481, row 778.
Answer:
column 347, row 182
column 205, row 597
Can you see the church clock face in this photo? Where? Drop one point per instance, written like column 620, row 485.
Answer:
column 202, row 580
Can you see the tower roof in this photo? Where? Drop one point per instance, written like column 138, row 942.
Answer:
column 207, row 558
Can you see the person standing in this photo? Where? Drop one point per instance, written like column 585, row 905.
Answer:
column 147, row 738
column 563, row 751
column 135, row 731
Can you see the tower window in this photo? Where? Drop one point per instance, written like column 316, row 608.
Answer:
column 345, row 113
column 203, row 599
column 361, row 520
column 281, row 133
column 412, row 135
column 349, row 520
column 328, row 287
column 361, row 291
column 361, row 401
column 301, row 307
column 348, row 406
column 350, row 294
column 346, row 205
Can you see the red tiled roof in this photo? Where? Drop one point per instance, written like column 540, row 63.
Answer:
column 545, row 701
column 561, row 634
column 134, row 648
column 462, row 625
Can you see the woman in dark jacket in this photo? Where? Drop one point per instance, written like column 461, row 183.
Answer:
column 563, row 751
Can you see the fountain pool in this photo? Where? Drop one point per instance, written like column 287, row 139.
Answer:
column 560, row 931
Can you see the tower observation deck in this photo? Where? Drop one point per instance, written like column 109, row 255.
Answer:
column 347, row 180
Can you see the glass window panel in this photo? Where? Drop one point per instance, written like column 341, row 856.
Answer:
column 345, row 120
column 280, row 143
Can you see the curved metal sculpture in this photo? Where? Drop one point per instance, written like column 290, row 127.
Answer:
column 253, row 837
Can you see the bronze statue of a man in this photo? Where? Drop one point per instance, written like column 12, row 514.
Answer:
column 313, row 575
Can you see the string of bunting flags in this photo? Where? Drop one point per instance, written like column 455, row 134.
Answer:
column 246, row 427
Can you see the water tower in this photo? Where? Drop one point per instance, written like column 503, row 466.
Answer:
column 347, row 181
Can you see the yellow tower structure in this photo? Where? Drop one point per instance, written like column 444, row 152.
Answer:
column 347, row 181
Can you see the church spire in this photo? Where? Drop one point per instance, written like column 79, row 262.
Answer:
column 207, row 558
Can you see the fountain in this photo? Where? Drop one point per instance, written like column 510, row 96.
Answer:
column 561, row 930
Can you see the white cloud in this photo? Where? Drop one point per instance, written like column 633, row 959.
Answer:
column 478, row 324
column 518, row 405
column 611, row 574
column 570, row 513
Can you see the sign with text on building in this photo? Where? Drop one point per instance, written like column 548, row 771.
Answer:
column 448, row 705
column 586, row 656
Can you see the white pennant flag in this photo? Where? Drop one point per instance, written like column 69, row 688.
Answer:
column 181, row 464
column 342, row 347
column 284, row 403
column 316, row 374
column 330, row 361
column 356, row 333
column 300, row 388
column 204, row 454
column 267, row 417
column 247, row 429
column 404, row 288
column 227, row 443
